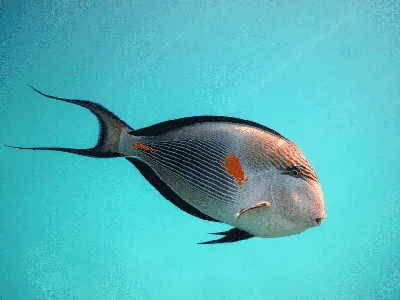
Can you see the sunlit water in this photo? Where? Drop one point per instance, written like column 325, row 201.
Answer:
column 324, row 75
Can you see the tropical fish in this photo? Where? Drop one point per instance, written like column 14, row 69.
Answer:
column 219, row 169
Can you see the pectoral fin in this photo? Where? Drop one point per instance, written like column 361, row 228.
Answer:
column 246, row 210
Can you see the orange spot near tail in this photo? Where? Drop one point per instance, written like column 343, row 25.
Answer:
column 118, row 129
column 232, row 165
column 144, row 147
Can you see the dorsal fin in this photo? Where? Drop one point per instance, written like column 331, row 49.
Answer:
column 167, row 126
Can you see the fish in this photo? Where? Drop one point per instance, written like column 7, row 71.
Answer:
column 216, row 168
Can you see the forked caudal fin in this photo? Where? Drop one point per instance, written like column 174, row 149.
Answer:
column 110, row 130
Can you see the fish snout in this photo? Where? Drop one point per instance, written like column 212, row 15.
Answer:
column 318, row 221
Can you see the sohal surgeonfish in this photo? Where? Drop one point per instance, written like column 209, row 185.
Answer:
column 219, row 169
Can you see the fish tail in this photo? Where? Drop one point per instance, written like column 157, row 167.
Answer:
column 110, row 130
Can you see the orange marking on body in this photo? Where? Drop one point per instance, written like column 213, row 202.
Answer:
column 232, row 165
column 144, row 147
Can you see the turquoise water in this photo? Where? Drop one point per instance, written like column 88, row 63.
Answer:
column 325, row 75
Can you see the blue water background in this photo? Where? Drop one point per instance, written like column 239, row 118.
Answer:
column 325, row 74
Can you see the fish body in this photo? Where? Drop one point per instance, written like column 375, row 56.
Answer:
column 219, row 169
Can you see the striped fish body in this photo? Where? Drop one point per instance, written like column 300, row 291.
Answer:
column 219, row 169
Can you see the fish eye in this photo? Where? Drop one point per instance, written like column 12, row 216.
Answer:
column 295, row 171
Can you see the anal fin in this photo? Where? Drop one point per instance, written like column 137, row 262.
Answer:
column 230, row 236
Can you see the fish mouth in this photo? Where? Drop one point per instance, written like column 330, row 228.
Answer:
column 311, row 222
column 318, row 221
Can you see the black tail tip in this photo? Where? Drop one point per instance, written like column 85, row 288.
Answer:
column 36, row 90
column 15, row 147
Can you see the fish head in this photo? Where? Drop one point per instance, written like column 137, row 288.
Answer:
column 298, row 195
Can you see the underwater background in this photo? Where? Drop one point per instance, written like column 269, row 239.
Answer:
column 325, row 74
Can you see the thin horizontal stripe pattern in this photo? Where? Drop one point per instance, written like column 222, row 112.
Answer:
column 213, row 171
column 199, row 164
column 207, row 154
column 224, row 199
column 209, row 175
